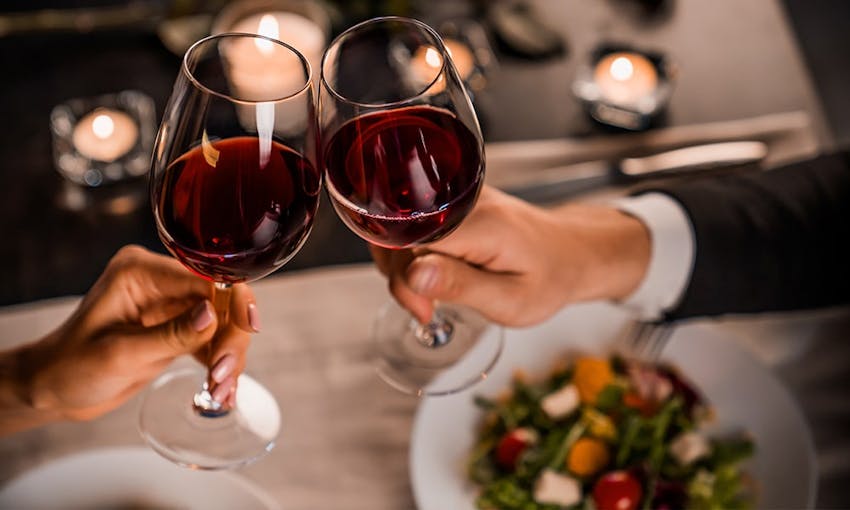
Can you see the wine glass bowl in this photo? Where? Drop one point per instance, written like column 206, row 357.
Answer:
column 403, row 159
column 403, row 209
column 234, row 183
column 230, row 227
column 234, row 189
column 403, row 152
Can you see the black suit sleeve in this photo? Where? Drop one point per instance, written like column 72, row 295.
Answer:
column 775, row 240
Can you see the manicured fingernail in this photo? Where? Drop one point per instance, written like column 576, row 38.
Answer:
column 423, row 278
column 223, row 368
column 222, row 390
column 202, row 315
column 231, row 400
column 254, row 317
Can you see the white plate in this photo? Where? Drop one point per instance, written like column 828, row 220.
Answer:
column 744, row 393
column 125, row 478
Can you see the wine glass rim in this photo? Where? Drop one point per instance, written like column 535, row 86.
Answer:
column 389, row 104
column 225, row 35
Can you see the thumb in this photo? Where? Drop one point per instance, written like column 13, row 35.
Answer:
column 180, row 335
column 449, row 279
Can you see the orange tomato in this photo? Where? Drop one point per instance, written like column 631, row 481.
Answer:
column 587, row 457
column 591, row 376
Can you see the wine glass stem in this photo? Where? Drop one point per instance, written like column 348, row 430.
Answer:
column 436, row 333
column 203, row 400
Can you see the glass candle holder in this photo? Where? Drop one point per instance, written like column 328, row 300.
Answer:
column 471, row 52
column 105, row 139
column 304, row 24
column 624, row 87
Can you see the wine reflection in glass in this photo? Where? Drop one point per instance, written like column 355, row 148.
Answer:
column 403, row 158
column 234, row 190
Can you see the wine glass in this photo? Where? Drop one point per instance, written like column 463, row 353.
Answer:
column 403, row 158
column 234, row 189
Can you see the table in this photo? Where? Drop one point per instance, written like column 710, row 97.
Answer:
column 345, row 433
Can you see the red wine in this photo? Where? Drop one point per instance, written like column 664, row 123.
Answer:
column 403, row 177
column 232, row 212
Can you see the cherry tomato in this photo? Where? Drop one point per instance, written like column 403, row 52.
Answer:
column 511, row 446
column 643, row 406
column 617, row 490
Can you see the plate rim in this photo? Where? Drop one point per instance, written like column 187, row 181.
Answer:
column 139, row 451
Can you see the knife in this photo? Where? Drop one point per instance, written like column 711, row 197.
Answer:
column 560, row 182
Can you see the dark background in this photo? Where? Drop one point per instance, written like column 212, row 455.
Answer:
column 48, row 251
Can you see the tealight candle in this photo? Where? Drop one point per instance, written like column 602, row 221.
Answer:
column 461, row 56
column 262, row 71
column 426, row 61
column 105, row 135
column 300, row 32
column 625, row 77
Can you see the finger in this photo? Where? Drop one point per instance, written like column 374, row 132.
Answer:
column 181, row 335
column 243, row 309
column 382, row 257
column 393, row 264
column 150, row 278
column 165, row 310
column 438, row 277
column 231, row 400
column 475, row 234
column 419, row 306
column 474, row 240
column 229, row 348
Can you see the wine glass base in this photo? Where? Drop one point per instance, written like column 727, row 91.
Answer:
column 420, row 368
column 174, row 427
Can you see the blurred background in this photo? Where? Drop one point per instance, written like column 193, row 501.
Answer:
column 726, row 66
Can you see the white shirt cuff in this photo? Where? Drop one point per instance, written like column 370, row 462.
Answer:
column 672, row 253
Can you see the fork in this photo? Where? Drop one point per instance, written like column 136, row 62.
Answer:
column 647, row 339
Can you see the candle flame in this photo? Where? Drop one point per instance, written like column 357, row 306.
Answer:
column 433, row 58
column 622, row 69
column 102, row 126
column 268, row 27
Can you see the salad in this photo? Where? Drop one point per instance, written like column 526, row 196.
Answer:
column 605, row 434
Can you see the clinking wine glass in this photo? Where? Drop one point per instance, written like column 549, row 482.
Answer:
column 403, row 158
column 234, row 190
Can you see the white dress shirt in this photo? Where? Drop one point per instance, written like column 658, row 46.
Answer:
column 672, row 253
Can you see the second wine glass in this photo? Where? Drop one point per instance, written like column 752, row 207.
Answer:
column 403, row 158
column 234, row 190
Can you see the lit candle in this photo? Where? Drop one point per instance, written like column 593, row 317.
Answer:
column 461, row 56
column 261, row 70
column 427, row 62
column 105, row 135
column 298, row 31
column 625, row 77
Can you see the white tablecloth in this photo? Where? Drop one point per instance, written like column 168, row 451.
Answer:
column 345, row 433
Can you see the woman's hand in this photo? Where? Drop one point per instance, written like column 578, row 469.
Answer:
column 144, row 311
column 518, row 264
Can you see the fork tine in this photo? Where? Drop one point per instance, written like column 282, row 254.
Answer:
column 658, row 340
column 647, row 340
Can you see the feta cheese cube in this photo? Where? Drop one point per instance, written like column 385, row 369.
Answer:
column 561, row 403
column 688, row 447
column 557, row 489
